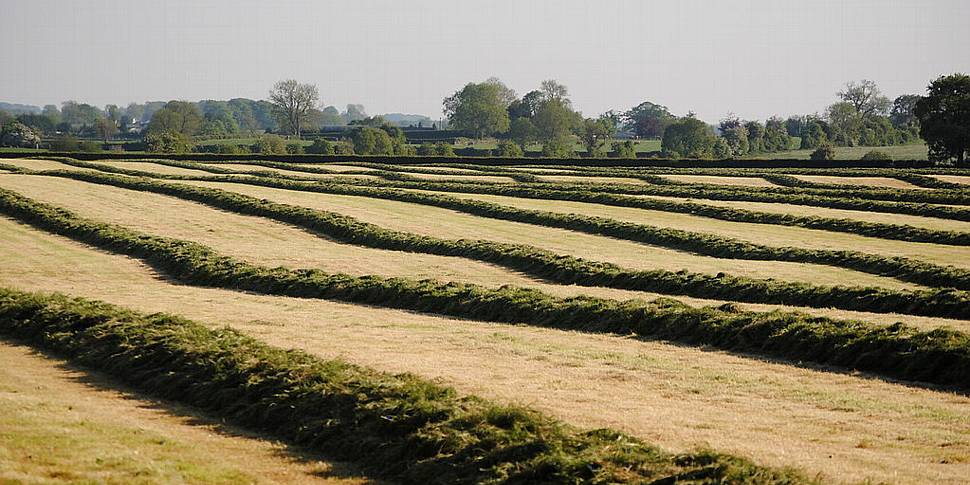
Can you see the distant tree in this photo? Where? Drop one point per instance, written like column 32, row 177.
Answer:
column 823, row 152
column 38, row 122
column 330, row 116
column 648, row 120
column 368, row 140
column 756, row 136
column 51, row 112
column 78, row 115
column 527, row 106
column 508, row 149
column 65, row 143
column 688, row 138
column 944, row 118
column 292, row 102
column 721, row 150
column 624, row 149
column 866, row 98
column 555, row 123
column 776, row 137
column 354, row 112
column 813, row 134
column 902, row 114
column 479, row 108
column 179, row 117
column 321, row 147
column 270, row 145
column 16, row 134
column 596, row 134
column 845, row 123
column 113, row 112
column 876, row 156
column 106, row 129
column 553, row 90
column 735, row 135
column 523, row 131
column 795, row 125
column 443, row 149
column 168, row 142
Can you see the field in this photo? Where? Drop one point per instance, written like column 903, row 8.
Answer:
column 362, row 322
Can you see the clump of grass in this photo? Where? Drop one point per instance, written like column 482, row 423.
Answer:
column 398, row 426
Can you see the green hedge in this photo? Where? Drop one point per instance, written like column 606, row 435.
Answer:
column 940, row 356
column 398, row 427
column 563, row 269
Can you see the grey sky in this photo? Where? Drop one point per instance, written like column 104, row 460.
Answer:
column 755, row 58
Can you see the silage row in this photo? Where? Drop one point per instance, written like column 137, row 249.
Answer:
column 399, row 427
column 940, row 356
column 563, row 269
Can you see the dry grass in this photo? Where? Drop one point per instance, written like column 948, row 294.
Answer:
column 266, row 242
column 591, row 180
column 37, row 164
column 61, row 425
column 884, row 182
column 454, row 225
column 718, row 180
column 807, row 210
column 445, row 170
column 541, row 170
column 768, row 234
column 956, row 179
column 845, row 426
column 155, row 168
column 336, row 166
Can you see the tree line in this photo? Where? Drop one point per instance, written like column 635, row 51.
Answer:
column 544, row 116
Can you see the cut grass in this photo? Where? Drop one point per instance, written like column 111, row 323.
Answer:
column 41, row 164
column 266, row 242
column 240, row 167
column 956, row 179
column 768, row 234
column 63, row 425
column 405, row 428
column 881, row 182
column 677, row 396
column 155, row 168
column 590, row 180
column 450, row 224
column 716, row 180
column 934, row 223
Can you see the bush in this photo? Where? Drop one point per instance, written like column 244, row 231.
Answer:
column 270, row 145
column 65, row 143
column 876, row 156
column 443, row 149
column 823, row 152
column 508, row 149
column 426, row 150
column 624, row 149
column 343, row 148
column 321, row 147
column 90, row 146
column 295, row 148
column 168, row 142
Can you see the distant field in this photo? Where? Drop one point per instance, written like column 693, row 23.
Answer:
column 827, row 420
column 898, row 152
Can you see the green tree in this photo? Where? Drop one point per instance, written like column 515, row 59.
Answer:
column 823, row 152
column 876, row 156
column 106, row 129
column 508, row 149
column 845, row 123
column 555, row 123
column 648, row 120
column 480, row 109
column 813, row 134
column 735, row 135
column 721, row 150
column 321, row 147
column 168, row 142
column 688, row 138
column 944, row 118
column 624, row 149
column 291, row 104
column 179, row 117
column 270, row 145
column 523, row 131
column 866, row 98
column 596, row 134
column 903, row 113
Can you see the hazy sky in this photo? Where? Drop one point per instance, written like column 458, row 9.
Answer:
column 755, row 58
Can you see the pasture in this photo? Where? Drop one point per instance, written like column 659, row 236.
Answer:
column 354, row 322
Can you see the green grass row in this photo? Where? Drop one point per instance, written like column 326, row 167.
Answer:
column 940, row 356
column 906, row 269
column 563, row 269
column 706, row 244
column 398, row 427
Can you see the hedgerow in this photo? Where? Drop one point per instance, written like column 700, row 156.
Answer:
column 940, row 356
column 399, row 427
column 564, row 269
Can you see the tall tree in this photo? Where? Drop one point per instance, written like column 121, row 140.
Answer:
column 106, row 128
column 902, row 114
column 688, row 137
column 944, row 118
column 555, row 123
column 553, row 90
column 292, row 102
column 866, row 98
column 179, row 117
column 596, row 133
column 479, row 108
column 648, row 120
